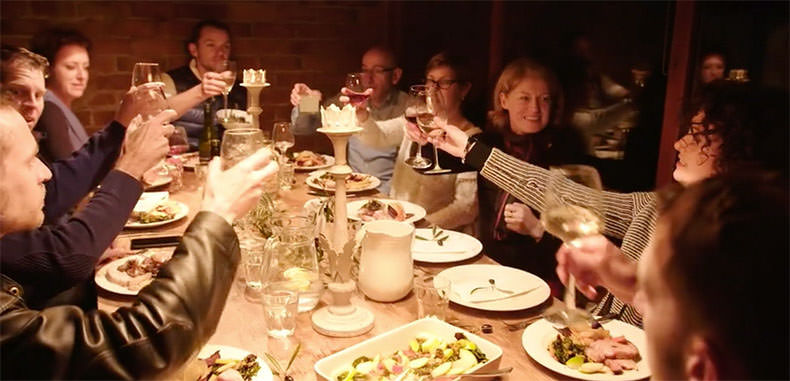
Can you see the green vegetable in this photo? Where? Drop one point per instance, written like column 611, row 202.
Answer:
column 575, row 362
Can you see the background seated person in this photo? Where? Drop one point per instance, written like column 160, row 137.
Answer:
column 172, row 318
column 209, row 46
column 381, row 73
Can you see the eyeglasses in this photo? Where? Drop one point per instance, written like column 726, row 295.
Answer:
column 443, row 84
column 377, row 70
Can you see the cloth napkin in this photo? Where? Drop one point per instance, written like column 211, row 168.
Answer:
column 485, row 293
column 453, row 244
column 149, row 200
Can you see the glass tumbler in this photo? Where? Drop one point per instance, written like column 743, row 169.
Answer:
column 433, row 296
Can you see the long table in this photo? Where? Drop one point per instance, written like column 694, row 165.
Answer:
column 242, row 323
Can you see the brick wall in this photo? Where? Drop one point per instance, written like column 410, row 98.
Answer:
column 311, row 42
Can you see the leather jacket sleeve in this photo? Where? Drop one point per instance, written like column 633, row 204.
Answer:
column 170, row 320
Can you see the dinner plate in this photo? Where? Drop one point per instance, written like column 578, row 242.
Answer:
column 101, row 274
column 417, row 212
column 540, row 334
column 507, row 278
column 312, row 182
column 457, row 247
column 160, row 181
column 228, row 352
column 330, row 161
column 183, row 211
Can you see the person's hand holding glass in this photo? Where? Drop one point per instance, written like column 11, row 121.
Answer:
column 149, row 88
column 239, row 143
column 228, row 71
column 415, row 106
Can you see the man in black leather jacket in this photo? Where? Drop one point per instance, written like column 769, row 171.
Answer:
column 171, row 318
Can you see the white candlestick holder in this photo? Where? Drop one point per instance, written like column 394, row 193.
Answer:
column 253, row 101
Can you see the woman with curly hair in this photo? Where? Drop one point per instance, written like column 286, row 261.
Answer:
column 735, row 128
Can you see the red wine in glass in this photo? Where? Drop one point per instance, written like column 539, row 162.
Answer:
column 356, row 98
column 178, row 149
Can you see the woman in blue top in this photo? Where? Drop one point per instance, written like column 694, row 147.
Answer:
column 68, row 53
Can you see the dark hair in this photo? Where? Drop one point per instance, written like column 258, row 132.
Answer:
column 514, row 73
column 195, row 36
column 50, row 41
column 752, row 123
column 14, row 55
column 727, row 267
column 458, row 63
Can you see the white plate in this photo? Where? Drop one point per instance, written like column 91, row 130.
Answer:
column 398, row 338
column 540, row 334
column 507, row 278
column 264, row 374
column 160, row 181
column 311, row 181
column 469, row 247
column 418, row 212
column 330, row 161
column 101, row 275
column 183, row 211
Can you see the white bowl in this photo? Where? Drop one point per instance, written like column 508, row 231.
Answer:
column 398, row 338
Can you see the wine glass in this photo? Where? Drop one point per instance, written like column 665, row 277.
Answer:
column 571, row 214
column 238, row 144
column 150, row 90
column 358, row 93
column 178, row 141
column 415, row 104
column 282, row 136
column 427, row 123
column 228, row 70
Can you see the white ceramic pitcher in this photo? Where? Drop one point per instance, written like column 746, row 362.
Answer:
column 385, row 264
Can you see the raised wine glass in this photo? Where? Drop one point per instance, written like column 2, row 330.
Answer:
column 147, row 79
column 228, row 71
column 415, row 105
column 178, row 141
column 282, row 136
column 571, row 214
column 358, row 92
column 239, row 143
column 427, row 123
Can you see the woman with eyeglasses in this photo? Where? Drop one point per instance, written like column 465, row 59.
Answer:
column 734, row 129
column 450, row 200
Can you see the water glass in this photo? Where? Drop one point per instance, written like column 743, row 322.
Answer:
column 286, row 175
column 175, row 169
column 433, row 296
column 238, row 144
column 279, row 310
column 252, row 249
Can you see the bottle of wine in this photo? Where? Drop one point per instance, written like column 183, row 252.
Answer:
column 209, row 139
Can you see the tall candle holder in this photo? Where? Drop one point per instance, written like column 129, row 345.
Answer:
column 341, row 318
column 254, row 81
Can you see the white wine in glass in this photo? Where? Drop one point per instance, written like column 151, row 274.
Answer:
column 571, row 215
column 228, row 71
column 427, row 121
column 415, row 106
column 282, row 136
column 150, row 89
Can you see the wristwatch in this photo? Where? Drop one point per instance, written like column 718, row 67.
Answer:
column 469, row 144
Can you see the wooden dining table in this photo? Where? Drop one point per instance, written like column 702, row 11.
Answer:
column 242, row 322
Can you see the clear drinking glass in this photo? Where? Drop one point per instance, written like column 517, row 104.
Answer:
column 228, row 71
column 147, row 79
column 570, row 214
column 238, row 144
column 279, row 310
column 433, row 296
column 415, row 105
column 252, row 250
column 427, row 122
column 286, row 174
column 282, row 136
column 358, row 91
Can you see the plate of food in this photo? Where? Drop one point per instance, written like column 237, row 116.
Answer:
column 378, row 209
column 162, row 213
column 356, row 182
column 616, row 351
column 228, row 363
column 128, row 275
column 309, row 161
column 438, row 245
column 511, row 290
column 427, row 348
